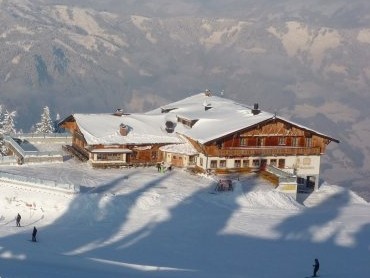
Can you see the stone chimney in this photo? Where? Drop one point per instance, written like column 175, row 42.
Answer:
column 256, row 110
column 123, row 129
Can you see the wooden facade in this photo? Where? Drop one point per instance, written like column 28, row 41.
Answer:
column 272, row 138
column 275, row 142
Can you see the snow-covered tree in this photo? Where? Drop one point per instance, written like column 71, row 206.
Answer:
column 1, row 131
column 6, row 127
column 1, row 119
column 46, row 125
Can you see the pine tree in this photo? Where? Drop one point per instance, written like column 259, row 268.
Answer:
column 46, row 124
column 6, row 127
column 1, row 120
column 2, row 145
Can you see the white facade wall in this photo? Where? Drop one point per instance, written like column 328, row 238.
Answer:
column 168, row 158
column 299, row 165
column 304, row 165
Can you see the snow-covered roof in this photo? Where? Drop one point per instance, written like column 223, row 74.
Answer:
column 185, row 148
column 216, row 117
column 105, row 129
column 209, row 117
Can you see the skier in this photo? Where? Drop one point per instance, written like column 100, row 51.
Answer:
column 34, row 232
column 18, row 220
column 316, row 267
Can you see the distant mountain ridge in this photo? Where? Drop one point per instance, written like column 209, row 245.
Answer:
column 307, row 64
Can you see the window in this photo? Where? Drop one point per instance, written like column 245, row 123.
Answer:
column 281, row 163
column 223, row 163
column 213, row 163
column 245, row 163
column 308, row 142
column 260, row 141
column 109, row 156
column 219, row 144
column 237, row 164
column 295, row 141
column 243, row 141
column 273, row 162
column 282, row 140
column 154, row 155
column 201, row 161
column 256, row 163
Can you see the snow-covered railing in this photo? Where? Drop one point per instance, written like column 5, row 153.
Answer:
column 14, row 144
column 42, row 135
column 287, row 182
column 8, row 160
column 278, row 172
column 27, row 156
column 44, row 153
column 38, row 183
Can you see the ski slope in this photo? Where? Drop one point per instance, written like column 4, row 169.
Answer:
column 141, row 223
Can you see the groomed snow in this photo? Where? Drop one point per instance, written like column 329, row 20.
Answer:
column 141, row 223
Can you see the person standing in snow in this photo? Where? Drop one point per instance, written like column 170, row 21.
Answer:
column 18, row 220
column 34, row 232
column 316, row 267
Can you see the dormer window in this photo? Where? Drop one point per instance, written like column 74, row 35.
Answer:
column 119, row 112
column 186, row 122
column 207, row 105
column 166, row 110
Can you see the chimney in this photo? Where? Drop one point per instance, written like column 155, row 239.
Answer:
column 123, row 129
column 170, row 126
column 256, row 110
column 119, row 112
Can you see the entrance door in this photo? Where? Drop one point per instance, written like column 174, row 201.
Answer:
column 281, row 163
column 263, row 164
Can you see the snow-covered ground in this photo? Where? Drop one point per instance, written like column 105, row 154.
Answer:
column 140, row 223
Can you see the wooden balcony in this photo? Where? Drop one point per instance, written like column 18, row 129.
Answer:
column 263, row 151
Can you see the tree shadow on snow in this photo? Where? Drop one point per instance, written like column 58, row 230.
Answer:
column 198, row 238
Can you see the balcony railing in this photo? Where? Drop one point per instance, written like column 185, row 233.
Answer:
column 264, row 151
